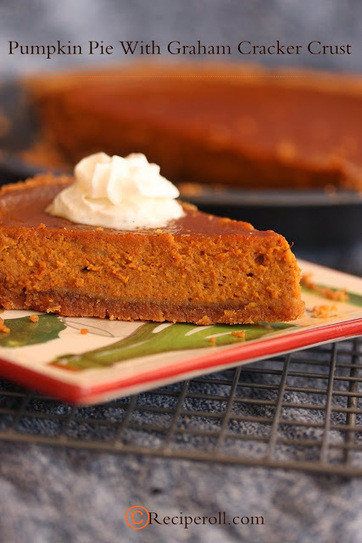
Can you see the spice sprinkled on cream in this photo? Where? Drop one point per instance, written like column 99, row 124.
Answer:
column 114, row 192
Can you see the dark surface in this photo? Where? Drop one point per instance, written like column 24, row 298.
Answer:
column 315, row 226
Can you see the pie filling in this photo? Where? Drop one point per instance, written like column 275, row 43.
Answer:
column 200, row 268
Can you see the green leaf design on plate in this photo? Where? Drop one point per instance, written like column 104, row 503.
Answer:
column 145, row 341
column 353, row 297
column 23, row 332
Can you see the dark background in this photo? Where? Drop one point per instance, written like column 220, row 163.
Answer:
column 211, row 21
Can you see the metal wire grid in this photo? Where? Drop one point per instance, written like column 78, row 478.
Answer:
column 299, row 411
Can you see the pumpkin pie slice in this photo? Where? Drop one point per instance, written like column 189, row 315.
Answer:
column 200, row 268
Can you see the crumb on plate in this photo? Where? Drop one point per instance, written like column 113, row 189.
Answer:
column 240, row 334
column 324, row 311
column 339, row 295
column 3, row 328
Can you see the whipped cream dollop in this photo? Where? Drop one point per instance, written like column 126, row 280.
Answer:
column 114, row 192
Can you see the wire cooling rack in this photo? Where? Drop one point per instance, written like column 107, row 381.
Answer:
column 299, row 411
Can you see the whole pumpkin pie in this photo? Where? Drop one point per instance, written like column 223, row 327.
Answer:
column 223, row 124
column 197, row 268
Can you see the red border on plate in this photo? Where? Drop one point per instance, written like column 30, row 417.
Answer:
column 278, row 345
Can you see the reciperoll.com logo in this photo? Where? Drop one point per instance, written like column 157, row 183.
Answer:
column 138, row 517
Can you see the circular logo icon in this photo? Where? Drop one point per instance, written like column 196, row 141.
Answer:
column 137, row 517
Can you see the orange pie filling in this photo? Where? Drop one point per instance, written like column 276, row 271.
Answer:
column 199, row 268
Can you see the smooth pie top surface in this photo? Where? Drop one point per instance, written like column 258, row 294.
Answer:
column 24, row 204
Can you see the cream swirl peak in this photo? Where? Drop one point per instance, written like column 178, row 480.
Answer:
column 114, row 192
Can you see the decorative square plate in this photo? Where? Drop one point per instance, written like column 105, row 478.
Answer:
column 85, row 360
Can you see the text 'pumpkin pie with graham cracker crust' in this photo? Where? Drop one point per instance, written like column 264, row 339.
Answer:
column 114, row 242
